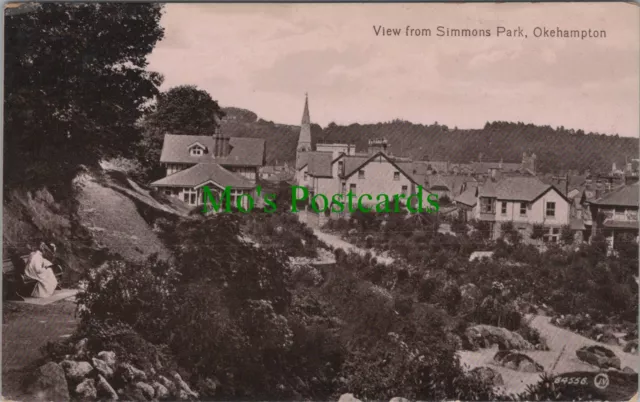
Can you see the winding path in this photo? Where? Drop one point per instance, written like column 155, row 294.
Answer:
column 337, row 242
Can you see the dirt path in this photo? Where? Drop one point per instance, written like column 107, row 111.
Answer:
column 337, row 242
column 563, row 345
column 25, row 329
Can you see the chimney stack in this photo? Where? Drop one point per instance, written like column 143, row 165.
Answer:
column 221, row 146
column 378, row 145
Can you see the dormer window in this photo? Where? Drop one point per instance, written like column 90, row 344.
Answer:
column 196, row 151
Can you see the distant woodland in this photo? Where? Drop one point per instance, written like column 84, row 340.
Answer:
column 558, row 149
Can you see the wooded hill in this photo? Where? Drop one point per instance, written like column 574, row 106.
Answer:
column 558, row 150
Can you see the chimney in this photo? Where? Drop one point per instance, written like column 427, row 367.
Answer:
column 221, row 146
column 613, row 167
column 378, row 145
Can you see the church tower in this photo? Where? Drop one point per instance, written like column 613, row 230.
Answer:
column 304, row 141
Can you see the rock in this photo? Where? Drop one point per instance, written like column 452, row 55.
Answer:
column 631, row 347
column 106, row 390
column 348, row 398
column 484, row 336
column 489, row 375
column 517, row 361
column 81, row 347
column 102, row 367
column 108, row 357
column 629, row 370
column 130, row 373
column 399, row 399
column 184, row 386
column 49, row 383
column 146, row 389
column 76, row 371
column 161, row 391
column 170, row 385
column 86, row 390
column 598, row 356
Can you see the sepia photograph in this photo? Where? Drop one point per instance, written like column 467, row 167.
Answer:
column 344, row 202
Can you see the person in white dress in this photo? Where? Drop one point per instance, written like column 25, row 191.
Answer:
column 39, row 269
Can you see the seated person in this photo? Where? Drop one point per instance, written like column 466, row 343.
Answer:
column 39, row 269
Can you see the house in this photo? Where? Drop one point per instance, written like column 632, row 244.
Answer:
column 450, row 186
column 466, row 203
column 525, row 201
column 195, row 161
column 616, row 213
column 501, row 169
column 338, row 169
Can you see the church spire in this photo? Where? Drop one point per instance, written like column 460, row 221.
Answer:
column 304, row 140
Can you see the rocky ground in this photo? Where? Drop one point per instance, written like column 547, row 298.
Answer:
column 561, row 358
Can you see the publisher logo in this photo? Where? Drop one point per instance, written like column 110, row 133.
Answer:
column 601, row 381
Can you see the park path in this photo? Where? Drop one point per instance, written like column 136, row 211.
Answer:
column 337, row 242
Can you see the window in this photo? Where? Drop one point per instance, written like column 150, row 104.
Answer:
column 344, row 188
column 352, row 188
column 190, row 196
column 361, row 174
column 306, row 176
column 196, row 151
column 551, row 209
column 620, row 212
column 555, row 231
column 405, row 189
column 396, row 176
column 523, row 209
column 486, row 205
column 340, row 167
column 167, row 192
column 503, row 208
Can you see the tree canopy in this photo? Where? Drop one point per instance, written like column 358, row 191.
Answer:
column 185, row 109
column 75, row 85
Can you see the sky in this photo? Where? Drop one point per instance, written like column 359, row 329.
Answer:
column 265, row 57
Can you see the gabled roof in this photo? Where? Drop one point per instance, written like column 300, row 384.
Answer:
column 625, row 196
column 201, row 174
column 517, row 189
column 244, row 151
column 350, row 172
column 468, row 197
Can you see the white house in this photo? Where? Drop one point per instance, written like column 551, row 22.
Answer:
column 525, row 201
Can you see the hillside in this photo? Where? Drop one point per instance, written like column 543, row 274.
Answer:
column 557, row 149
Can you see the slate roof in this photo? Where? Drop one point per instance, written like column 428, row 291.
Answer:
column 483, row 167
column 201, row 174
column 468, row 197
column 626, row 196
column 320, row 164
column 244, row 151
column 515, row 188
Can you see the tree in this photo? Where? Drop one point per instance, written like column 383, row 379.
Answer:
column 75, row 85
column 185, row 109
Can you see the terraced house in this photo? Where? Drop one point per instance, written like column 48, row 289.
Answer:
column 195, row 161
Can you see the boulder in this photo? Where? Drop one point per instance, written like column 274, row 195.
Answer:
column 170, row 385
column 108, row 357
column 49, row 383
column 631, row 347
column 102, row 367
column 130, row 373
column 598, row 356
column 105, row 389
column 161, row 391
column 76, row 371
column 517, row 362
column 183, row 386
column 86, row 390
column 146, row 389
column 483, row 336
column 487, row 374
column 348, row 398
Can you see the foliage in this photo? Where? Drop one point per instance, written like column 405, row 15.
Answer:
column 566, row 235
column 76, row 83
column 538, row 231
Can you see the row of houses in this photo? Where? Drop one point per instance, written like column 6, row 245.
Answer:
column 493, row 192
